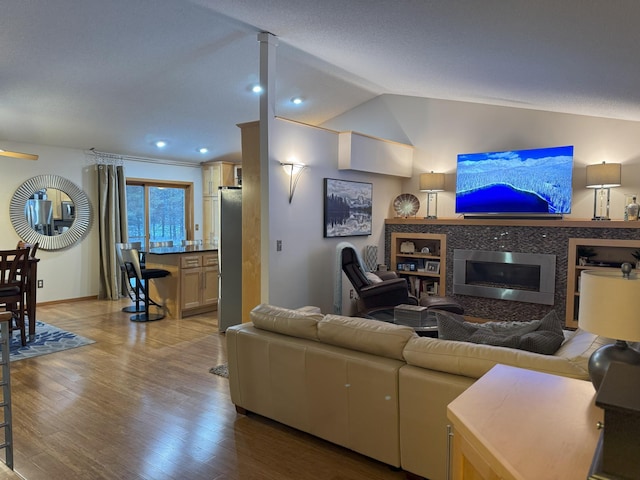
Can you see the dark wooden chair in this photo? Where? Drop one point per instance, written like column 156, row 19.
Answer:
column 33, row 247
column 14, row 270
column 32, row 278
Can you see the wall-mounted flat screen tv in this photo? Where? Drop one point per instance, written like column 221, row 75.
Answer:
column 536, row 181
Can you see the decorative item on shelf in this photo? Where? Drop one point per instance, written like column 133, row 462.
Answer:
column 632, row 210
column 585, row 254
column 602, row 177
column 432, row 183
column 628, row 198
column 407, row 247
column 406, row 205
column 609, row 308
column 433, row 267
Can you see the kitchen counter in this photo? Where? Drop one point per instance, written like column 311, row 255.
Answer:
column 192, row 288
column 180, row 249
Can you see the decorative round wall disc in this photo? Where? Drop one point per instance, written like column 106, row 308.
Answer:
column 406, row 205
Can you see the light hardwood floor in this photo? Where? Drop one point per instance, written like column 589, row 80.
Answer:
column 140, row 403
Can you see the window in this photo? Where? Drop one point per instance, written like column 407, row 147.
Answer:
column 159, row 211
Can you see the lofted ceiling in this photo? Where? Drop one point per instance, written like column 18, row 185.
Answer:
column 118, row 75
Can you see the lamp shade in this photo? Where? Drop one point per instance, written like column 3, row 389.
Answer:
column 604, row 175
column 609, row 304
column 432, row 182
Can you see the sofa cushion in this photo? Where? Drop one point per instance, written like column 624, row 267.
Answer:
column 300, row 323
column 369, row 336
column 540, row 336
column 579, row 347
column 474, row 360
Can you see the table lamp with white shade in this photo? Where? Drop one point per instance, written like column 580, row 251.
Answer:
column 432, row 183
column 602, row 177
column 609, row 308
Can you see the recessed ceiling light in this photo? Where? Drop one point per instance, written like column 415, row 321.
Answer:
column 161, row 144
column 203, row 150
column 297, row 100
column 256, row 89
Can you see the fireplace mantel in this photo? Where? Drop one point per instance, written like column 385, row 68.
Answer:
column 512, row 235
column 516, row 222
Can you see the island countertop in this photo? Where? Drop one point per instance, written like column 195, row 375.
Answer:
column 181, row 249
column 192, row 286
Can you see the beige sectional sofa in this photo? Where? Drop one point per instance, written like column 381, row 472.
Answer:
column 373, row 387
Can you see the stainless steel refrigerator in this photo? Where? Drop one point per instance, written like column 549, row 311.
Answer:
column 230, row 257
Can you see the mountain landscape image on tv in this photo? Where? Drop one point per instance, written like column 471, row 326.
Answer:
column 536, row 181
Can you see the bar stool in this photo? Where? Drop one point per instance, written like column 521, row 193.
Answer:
column 131, row 259
column 133, row 290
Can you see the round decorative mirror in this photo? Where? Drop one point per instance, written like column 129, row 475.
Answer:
column 50, row 210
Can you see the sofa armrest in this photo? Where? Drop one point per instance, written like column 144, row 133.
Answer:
column 386, row 275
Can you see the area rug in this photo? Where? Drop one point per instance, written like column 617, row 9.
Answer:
column 220, row 370
column 49, row 339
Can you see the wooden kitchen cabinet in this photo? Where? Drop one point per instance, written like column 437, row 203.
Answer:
column 192, row 288
column 214, row 175
column 199, row 280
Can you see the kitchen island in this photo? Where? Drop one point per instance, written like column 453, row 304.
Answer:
column 192, row 287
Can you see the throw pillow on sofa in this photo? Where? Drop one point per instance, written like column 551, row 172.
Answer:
column 539, row 336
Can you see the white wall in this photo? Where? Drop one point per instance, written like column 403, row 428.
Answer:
column 441, row 129
column 303, row 272
column 73, row 272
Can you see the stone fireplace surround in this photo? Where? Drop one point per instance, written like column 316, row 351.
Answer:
column 526, row 236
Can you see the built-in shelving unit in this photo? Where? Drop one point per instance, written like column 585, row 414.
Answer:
column 593, row 254
column 421, row 259
column 518, row 235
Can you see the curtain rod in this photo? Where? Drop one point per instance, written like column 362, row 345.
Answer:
column 106, row 158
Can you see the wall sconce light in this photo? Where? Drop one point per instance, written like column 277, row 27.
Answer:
column 602, row 177
column 294, row 170
column 432, row 183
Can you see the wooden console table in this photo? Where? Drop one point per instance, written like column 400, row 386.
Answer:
column 517, row 424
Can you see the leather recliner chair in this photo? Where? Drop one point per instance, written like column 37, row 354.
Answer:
column 390, row 291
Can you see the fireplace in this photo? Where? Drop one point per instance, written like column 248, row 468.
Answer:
column 521, row 277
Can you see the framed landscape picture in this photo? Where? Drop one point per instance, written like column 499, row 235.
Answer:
column 347, row 208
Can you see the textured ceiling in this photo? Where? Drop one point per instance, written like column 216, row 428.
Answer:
column 116, row 75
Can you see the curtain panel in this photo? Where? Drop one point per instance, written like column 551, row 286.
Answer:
column 112, row 224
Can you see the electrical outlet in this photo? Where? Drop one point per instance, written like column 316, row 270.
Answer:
column 351, row 294
column 40, row 283
column 278, row 245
